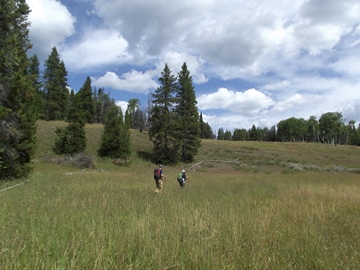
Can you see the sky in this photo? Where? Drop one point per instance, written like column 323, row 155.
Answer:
column 253, row 62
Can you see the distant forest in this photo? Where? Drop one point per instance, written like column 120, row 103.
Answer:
column 54, row 100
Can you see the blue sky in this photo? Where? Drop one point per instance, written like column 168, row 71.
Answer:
column 252, row 62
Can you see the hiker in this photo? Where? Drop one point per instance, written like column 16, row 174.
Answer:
column 182, row 178
column 158, row 177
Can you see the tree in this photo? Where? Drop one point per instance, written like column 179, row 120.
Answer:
column 188, row 125
column 87, row 103
column 111, row 137
column 330, row 124
column 221, row 134
column 253, row 134
column 133, row 105
column 17, row 114
column 34, row 72
column 55, row 87
column 227, row 135
column 125, row 144
column 103, row 103
column 162, row 119
column 72, row 139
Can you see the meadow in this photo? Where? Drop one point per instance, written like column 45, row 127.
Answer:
column 247, row 205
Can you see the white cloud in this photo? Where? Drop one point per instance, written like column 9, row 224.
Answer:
column 98, row 47
column 133, row 81
column 51, row 24
column 122, row 104
column 248, row 103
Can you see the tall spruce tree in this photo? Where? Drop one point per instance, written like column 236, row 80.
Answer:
column 34, row 72
column 87, row 102
column 72, row 139
column 17, row 114
column 188, row 124
column 111, row 137
column 55, row 87
column 162, row 119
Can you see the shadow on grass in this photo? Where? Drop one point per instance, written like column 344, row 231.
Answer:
column 147, row 156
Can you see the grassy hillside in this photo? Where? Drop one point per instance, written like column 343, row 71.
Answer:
column 261, row 213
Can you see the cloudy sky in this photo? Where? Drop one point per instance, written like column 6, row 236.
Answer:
column 252, row 62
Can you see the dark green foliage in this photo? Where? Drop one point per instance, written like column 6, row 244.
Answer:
column 17, row 114
column 72, row 140
column 87, row 103
column 188, row 124
column 221, row 134
column 162, row 132
column 39, row 98
column 111, row 136
column 55, row 87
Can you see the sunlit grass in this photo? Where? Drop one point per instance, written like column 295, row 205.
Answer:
column 261, row 216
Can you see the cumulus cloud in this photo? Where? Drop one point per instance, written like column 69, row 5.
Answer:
column 97, row 47
column 133, row 81
column 51, row 24
column 248, row 103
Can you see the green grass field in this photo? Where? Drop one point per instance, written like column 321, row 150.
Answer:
column 258, row 214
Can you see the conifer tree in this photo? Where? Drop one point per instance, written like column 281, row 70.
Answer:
column 162, row 119
column 72, row 139
column 34, row 72
column 17, row 114
column 188, row 125
column 111, row 135
column 87, row 101
column 55, row 87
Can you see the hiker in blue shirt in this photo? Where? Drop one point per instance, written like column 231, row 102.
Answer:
column 182, row 178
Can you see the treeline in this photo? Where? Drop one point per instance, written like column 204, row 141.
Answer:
column 330, row 128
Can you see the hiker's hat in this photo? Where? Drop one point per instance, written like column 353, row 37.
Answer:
column 160, row 165
column 183, row 170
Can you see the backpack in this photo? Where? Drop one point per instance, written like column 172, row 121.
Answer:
column 157, row 174
column 179, row 177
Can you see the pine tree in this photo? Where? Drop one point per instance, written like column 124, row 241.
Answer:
column 87, row 101
column 17, row 114
column 72, row 139
column 39, row 98
column 111, row 135
column 55, row 86
column 162, row 119
column 188, row 124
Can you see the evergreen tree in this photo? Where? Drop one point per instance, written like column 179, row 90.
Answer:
column 39, row 98
column 221, row 134
column 17, row 114
column 253, row 134
column 188, row 124
column 72, row 139
column 227, row 135
column 112, row 135
column 87, row 101
column 162, row 119
column 55, row 87
column 208, row 133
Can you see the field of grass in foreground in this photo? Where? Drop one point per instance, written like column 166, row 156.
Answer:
column 226, row 218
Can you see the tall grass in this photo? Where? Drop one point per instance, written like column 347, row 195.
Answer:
column 110, row 218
